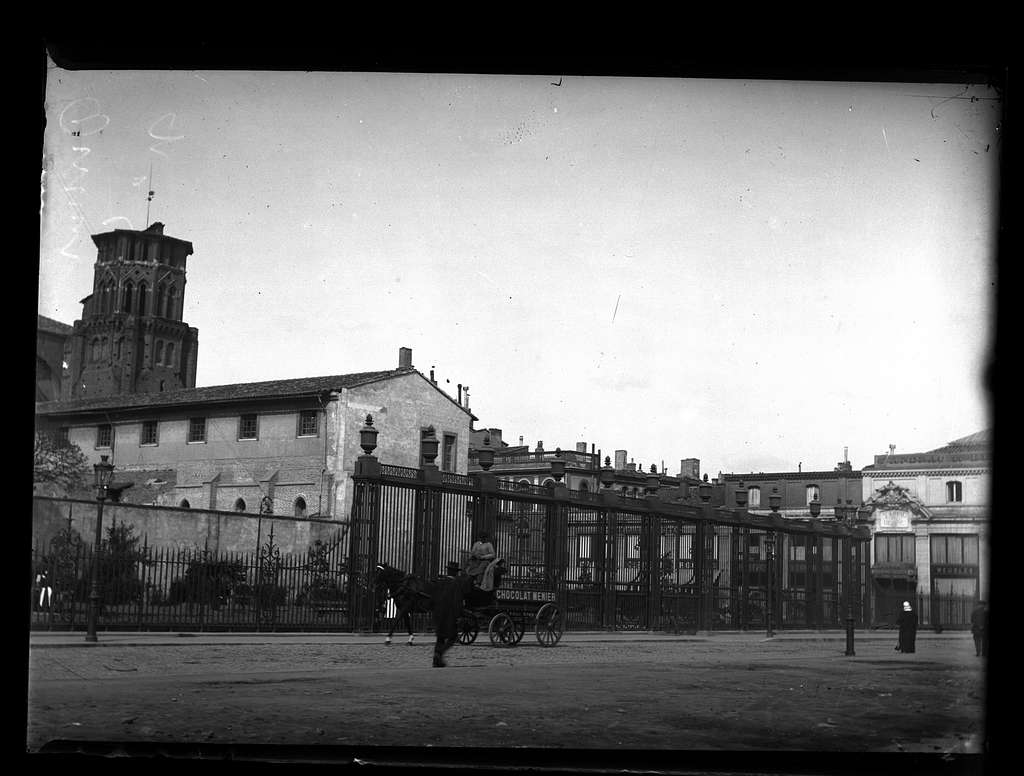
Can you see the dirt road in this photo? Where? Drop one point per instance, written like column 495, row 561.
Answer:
column 751, row 694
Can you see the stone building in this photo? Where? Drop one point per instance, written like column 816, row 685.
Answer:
column 796, row 490
column 51, row 342
column 296, row 441
column 131, row 337
column 129, row 393
column 929, row 515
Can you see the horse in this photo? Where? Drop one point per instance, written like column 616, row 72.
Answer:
column 411, row 595
column 445, row 598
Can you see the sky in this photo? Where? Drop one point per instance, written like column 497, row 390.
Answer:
column 759, row 274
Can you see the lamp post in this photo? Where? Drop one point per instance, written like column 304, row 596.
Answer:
column 847, row 514
column 774, row 500
column 103, row 471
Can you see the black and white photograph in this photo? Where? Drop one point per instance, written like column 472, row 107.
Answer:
column 425, row 415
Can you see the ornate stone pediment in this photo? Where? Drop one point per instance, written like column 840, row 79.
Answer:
column 891, row 502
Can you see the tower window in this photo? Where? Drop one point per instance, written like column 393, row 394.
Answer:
column 169, row 355
column 197, row 429
column 161, row 301
column 126, row 300
column 159, row 351
column 143, row 289
column 148, row 435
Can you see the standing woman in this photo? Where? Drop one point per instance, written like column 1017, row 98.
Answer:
column 907, row 622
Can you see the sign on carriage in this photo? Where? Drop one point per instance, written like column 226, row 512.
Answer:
column 526, row 595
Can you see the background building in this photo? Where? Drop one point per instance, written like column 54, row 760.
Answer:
column 51, row 342
column 797, row 489
column 929, row 516
column 131, row 337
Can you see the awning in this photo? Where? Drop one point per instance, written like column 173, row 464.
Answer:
column 892, row 570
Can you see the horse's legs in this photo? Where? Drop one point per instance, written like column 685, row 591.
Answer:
column 408, row 626
column 387, row 639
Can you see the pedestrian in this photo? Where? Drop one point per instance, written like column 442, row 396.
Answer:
column 979, row 628
column 45, row 590
column 448, row 598
column 907, row 622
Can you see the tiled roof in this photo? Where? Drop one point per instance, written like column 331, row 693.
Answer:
column 53, row 327
column 981, row 438
column 270, row 389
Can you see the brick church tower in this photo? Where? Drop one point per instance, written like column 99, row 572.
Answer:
column 131, row 338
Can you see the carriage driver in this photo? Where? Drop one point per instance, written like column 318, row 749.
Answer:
column 480, row 556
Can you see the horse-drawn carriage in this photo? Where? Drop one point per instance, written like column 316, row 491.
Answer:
column 505, row 610
column 508, row 613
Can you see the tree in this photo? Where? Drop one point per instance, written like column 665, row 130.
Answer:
column 58, row 463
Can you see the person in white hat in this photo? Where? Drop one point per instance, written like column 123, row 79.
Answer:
column 907, row 622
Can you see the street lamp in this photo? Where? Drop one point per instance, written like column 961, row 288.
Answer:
column 103, row 471
column 774, row 500
column 846, row 514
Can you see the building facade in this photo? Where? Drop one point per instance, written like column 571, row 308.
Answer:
column 796, row 490
column 929, row 517
column 295, row 441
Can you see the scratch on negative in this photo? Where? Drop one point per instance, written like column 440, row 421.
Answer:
column 616, row 310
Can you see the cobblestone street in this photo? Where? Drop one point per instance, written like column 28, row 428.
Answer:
column 721, row 692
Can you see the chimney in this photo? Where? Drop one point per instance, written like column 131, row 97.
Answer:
column 620, row 459
column 405, row 358
column 581, row 447
column 540, row 446
column 892, row 449
column 846, row 454
column 466, row 389
column 432, row 375
column 520, row 440
column 800, row 466
column 460, row 394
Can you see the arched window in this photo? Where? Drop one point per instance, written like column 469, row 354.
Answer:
column 813, row 493
column 105, row 348
column 169, row 355
column 159, row 351
column 583, row 486
column 172, row 303
column 143, row 288
column 96, row 349
column 300, row 507
column 522, row 484
column 184, row 504
column 753, row 497
column 549, row 483
column 239, row 505
column 161, row 301
column 117, row 348
column 126, row 300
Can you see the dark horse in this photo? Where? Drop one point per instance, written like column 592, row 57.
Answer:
column 445, row 598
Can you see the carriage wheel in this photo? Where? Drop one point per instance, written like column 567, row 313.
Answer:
column 520, row 623
column 468, row 628
column 549, row 625
column 502, row 630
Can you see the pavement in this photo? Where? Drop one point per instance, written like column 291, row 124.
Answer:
column 55, row 639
